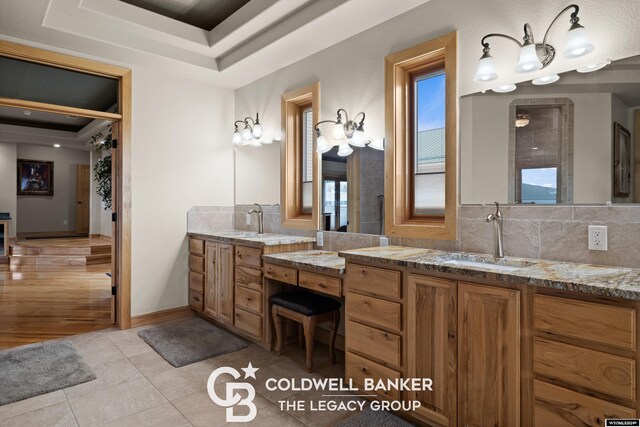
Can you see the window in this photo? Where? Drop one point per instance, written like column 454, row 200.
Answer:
column 300, row 188
column 539, row 186
column 421, row 155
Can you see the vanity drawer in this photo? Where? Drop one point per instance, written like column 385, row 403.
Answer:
column 196, row 246
column 196, row 301
column 249, row 277
column 374, row 343
column 555, row 405
column 249, row 257
column 375, row 281
column 248, row 299
column 358, row 368
column 196, row 281
column 249, row 323
column 606, row 324
column 593, row 370
column 320, row 283
column 281, row 274
column 374, row 311
column 196, row 263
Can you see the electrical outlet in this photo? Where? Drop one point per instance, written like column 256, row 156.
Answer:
column 384, row 241
column 65, row 222
column 598, row 237
column 319, row 239
column 248, row 219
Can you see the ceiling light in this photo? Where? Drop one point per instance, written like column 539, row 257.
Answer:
column 546, row 80
column 522, row 119
column 68, row 116
column 505, row 88
column 251, row 133
column 57, row 145
column 594, row 67
column 536, row 56
column 27, row 112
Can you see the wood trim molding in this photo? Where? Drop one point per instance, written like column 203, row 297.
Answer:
column 637, row 159
column 290, row 179
column 398, row 69
column 122, row 265
column 161, row 316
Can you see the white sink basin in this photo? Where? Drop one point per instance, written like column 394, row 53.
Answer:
column 483, row 265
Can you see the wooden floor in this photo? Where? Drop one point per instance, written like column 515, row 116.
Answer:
column 53, row 302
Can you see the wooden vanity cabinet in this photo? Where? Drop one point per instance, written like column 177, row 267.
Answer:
column 218, row 296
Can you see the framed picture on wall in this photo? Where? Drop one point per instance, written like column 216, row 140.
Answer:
column 35, row 178
column 621, row 161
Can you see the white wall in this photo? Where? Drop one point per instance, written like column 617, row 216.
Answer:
column 41, row 213
column 8, row 190
column 182, row 156
column 484, row 147
column 351, row 73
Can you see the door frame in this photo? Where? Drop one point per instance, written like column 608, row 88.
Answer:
column 122, row 203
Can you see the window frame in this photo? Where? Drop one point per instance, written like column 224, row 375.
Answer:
column 400, row 70
column 293, row 105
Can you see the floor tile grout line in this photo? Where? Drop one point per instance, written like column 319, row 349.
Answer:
column 66, row 398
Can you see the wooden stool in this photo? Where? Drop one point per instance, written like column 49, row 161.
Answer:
column 308, row 309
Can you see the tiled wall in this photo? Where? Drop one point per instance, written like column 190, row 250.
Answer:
column 556, row 233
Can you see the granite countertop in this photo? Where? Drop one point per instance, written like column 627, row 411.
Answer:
column 322, row 261
column 250, row 238
column 617, row 282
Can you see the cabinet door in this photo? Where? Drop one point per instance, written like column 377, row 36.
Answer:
column 224, row 281
column 432, row 330
column 489, row 356
column 210, row 285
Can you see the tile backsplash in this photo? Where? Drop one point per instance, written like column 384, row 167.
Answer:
column 549, row 232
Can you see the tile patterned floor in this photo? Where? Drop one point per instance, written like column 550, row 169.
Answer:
column 136, row 387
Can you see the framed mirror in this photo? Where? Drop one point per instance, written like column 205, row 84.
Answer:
column 574, row 141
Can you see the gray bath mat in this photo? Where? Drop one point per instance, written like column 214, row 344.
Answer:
column 371, row 418
column 41, row 368
column 191, row 340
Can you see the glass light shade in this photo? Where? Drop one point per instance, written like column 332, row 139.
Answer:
column 529, row 60
column 246, row 134
column 577, row 43
column 377, row 144
column 338, row 131
column 546, row 80
column 505, row 88
column 255, row 143
column 237, row 138
column 257, row 131
column 344, row 150
column 486, row 70
column 358, row 139
column 323, row 145
column 593, row 67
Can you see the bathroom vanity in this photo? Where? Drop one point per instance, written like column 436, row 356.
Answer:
column 506, row 341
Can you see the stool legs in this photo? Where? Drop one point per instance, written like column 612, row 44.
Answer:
column 309, row 325
column 277, row 322
column 334, row 332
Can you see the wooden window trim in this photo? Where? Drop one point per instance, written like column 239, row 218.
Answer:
column 291, row 169
column 400, row 68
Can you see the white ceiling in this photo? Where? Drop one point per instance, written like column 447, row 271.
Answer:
column 259, row 38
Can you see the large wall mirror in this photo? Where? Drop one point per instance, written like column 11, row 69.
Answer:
column 574, row 141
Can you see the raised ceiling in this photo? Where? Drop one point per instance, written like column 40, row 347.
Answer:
column 205, row 14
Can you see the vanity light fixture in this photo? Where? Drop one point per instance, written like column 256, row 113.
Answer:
column 505, row 88
column 346, row 133
column 377, row 144
column 546, row 80
column 536, row 56
column 594, row 67
column 250, row 134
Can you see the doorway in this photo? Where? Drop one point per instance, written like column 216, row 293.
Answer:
column 121, row 196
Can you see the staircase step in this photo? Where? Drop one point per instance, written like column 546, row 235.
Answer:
column 48, row 260
column 49, row 250
column 99, row 259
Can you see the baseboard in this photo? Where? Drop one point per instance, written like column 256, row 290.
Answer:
column 98, row 236
column 161, row 316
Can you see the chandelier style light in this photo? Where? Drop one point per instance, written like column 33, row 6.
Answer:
column 251, row 133
column 536, row 56
column 345, row 134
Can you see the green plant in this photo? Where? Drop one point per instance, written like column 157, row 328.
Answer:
column 102, row 142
